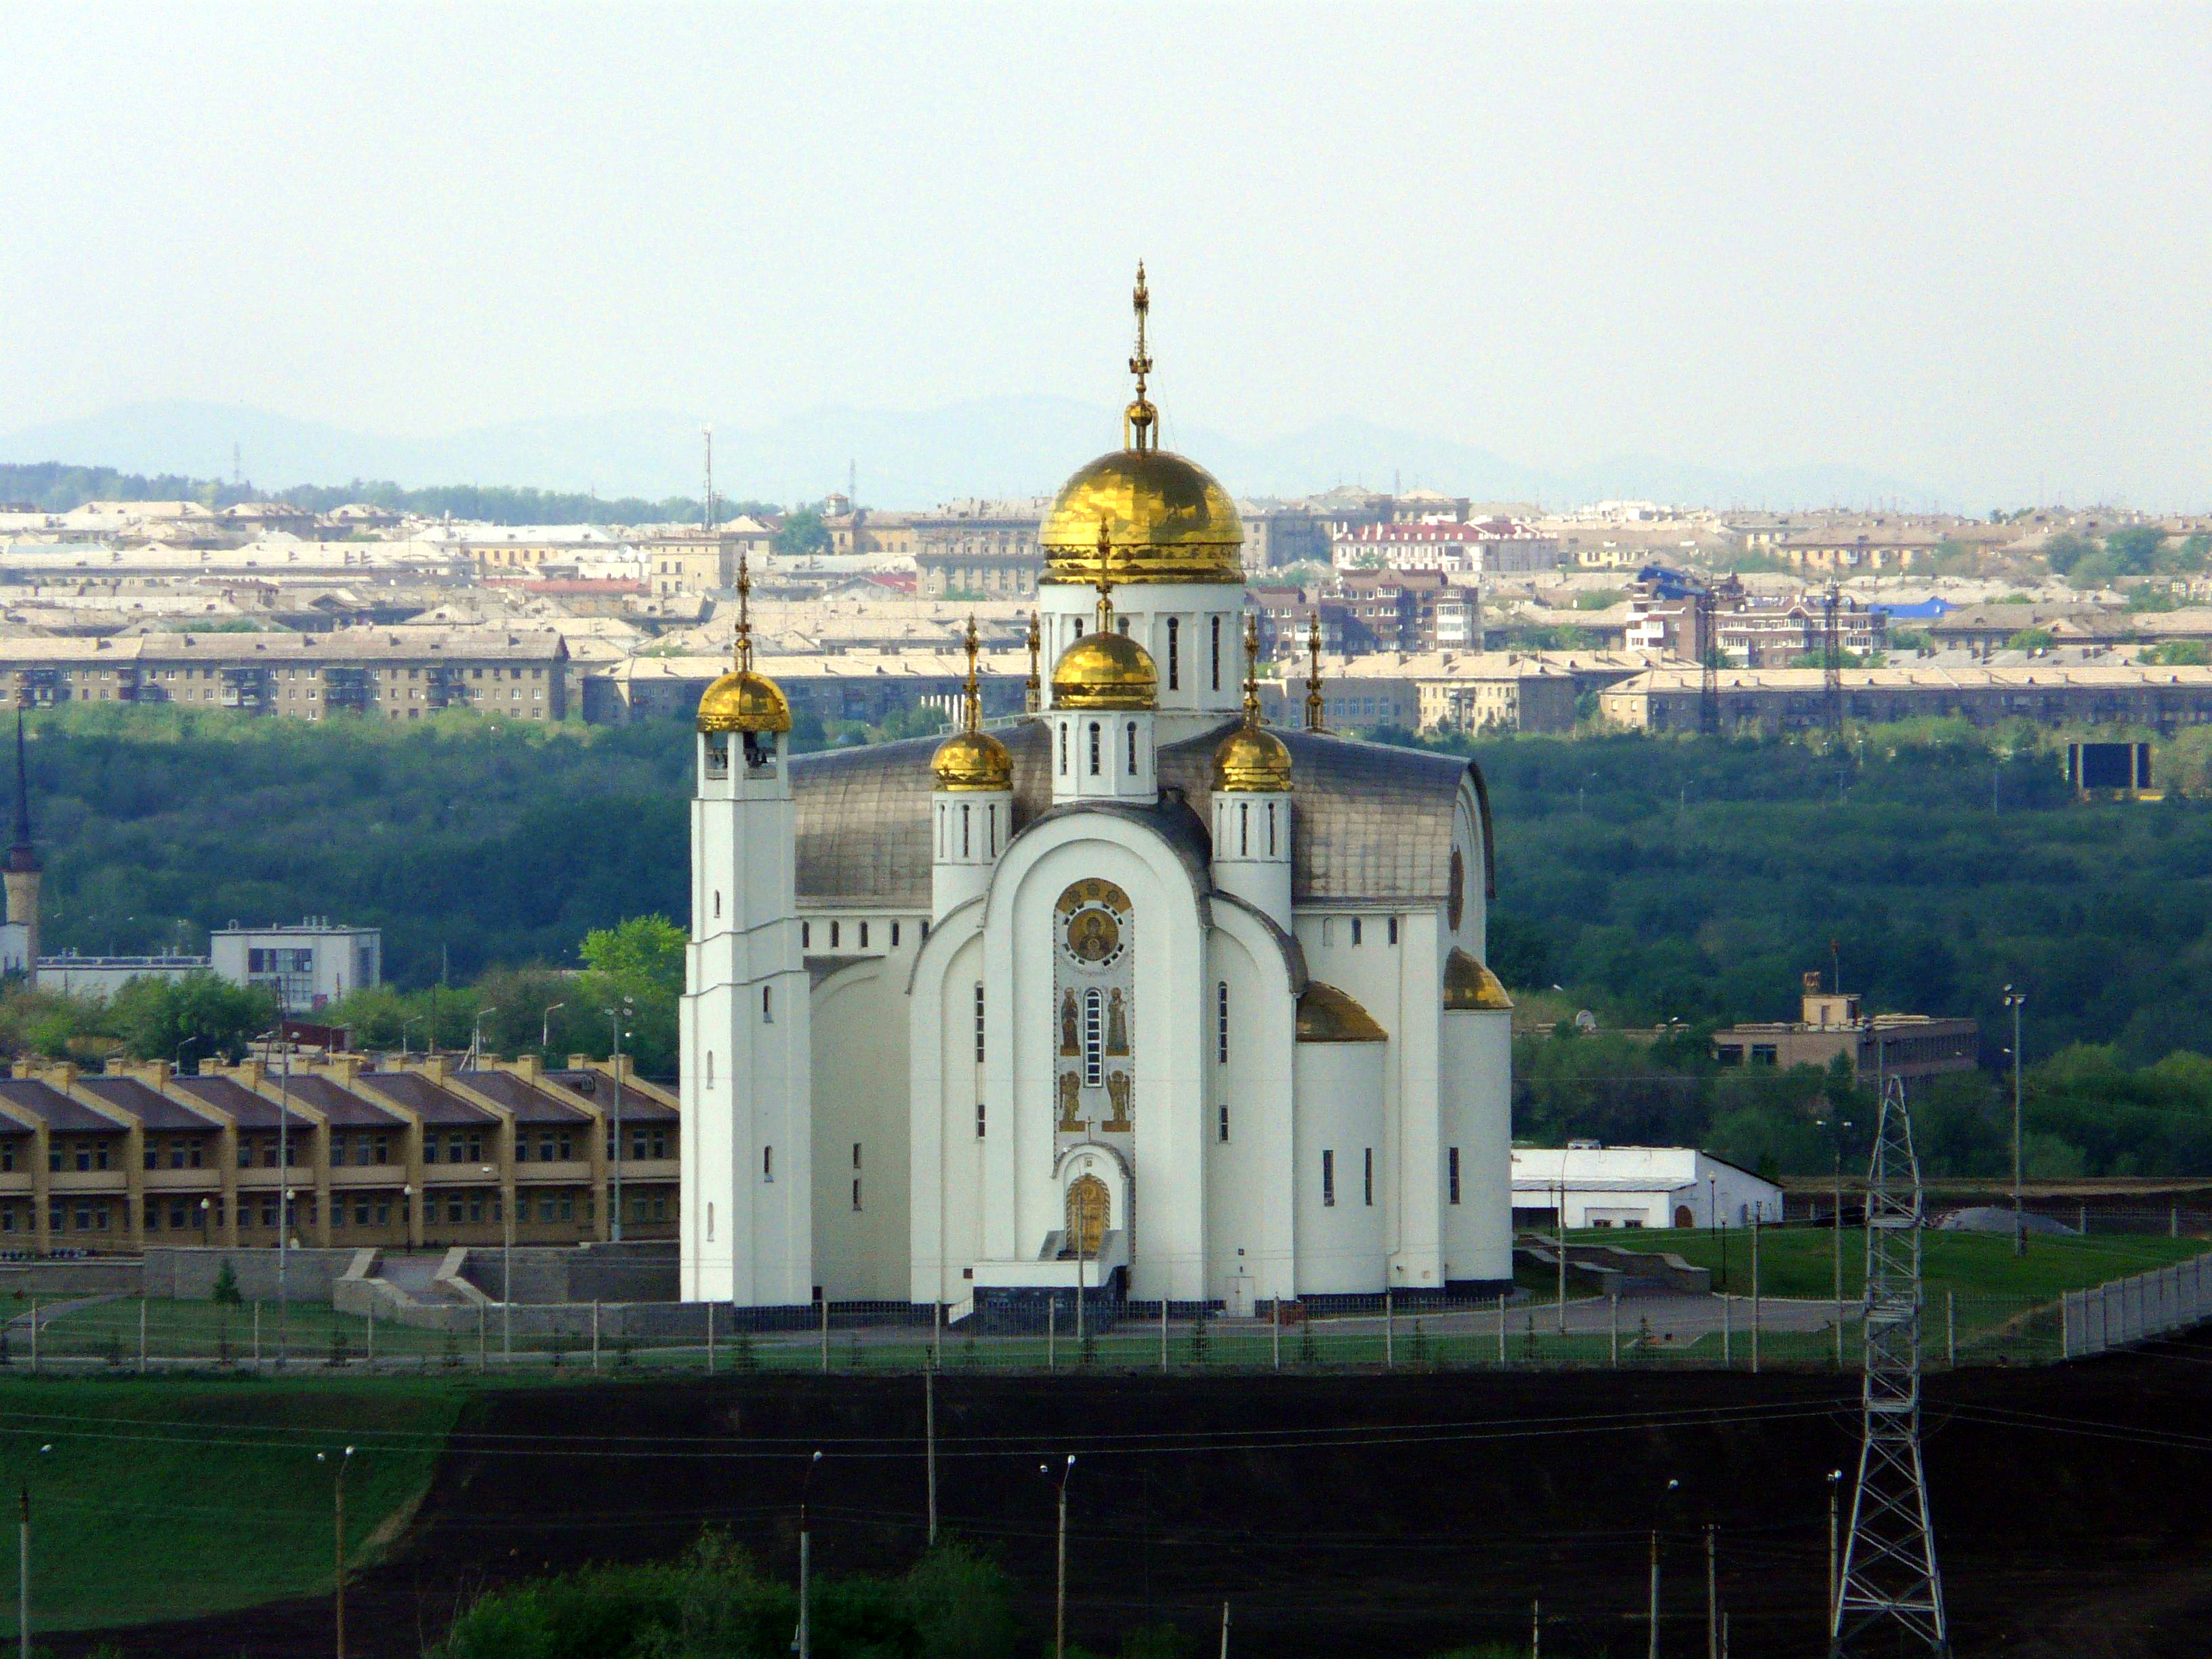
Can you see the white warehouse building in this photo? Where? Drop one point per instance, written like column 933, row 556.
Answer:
column 1637, row 1187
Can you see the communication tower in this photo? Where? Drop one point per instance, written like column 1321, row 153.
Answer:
column 1891, row 1591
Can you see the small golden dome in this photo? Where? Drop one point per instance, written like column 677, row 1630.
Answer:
column 1469, row 985
column 1252, row 759
column 742, row 700
column 1104, row 669
column 1328, row 1015
column 1169, row 519
column 972, row 761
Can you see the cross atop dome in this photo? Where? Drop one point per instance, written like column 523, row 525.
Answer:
column 1138, row 420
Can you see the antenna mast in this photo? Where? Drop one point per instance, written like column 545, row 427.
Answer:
column 1832, row 666
column 1891, row 1591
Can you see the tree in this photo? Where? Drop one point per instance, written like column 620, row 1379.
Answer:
column 2030, row 639
column 2065, row 550
column 801, row 533
column 157, row 1019
column 2134, row 549
column 649, row 949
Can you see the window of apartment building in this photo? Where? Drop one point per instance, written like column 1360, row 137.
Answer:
column 7, row 1157
column 1328, row 1180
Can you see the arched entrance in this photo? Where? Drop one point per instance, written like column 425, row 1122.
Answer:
column 1090, row 1212
column 1683, row 1218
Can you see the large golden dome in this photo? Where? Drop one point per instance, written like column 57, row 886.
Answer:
column 1105, row 669
column 1328, row 1015
column 1168, row 519
column 1252, row 759
column 969, row 761
column 742, row 700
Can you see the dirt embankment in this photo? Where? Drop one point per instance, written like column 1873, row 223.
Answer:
column 1341, row 1516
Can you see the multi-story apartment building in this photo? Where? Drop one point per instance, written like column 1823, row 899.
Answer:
column 1412, row 611
column 395, row 673
column 979, row 547
column 339, row 1152
column 1488, row 546
column 1276, row 535
column 1792, row 699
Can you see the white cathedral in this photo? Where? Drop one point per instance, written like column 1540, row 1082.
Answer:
column 1136, row 995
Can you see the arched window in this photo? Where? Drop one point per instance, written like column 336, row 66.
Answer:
column 963, row 831
column 1094, row 1037
column 991, row 828
column 1094, row 748
column 718, row 904
column 1133, row 749
column 1063, row 749
column 767, row 1007
column 1271, row 829
column 1216, row 653
column 710, row 1068
column 1244, row 829
column 710, row 1224
column 1174, row 653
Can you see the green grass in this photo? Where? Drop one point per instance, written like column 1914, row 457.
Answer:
column 1800, row 1262
column 163, row 1498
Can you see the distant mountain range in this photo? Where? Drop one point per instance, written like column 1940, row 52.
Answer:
column 991, row 446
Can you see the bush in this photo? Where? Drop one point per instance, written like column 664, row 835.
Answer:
column 226, row 1285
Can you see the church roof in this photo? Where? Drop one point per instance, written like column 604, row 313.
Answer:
column 1372, row 822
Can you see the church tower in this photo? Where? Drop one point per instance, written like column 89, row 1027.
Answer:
column 972, row 807
column 747, row 1227
column 22, row 870
column 1105, row 691
column 1252, row 804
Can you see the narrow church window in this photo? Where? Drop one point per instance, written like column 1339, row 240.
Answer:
column 767, row 1163
column 1094, row 1037
column 856, row 1154
column 963, row 832
column 1451, row 1163
column 1133, row 749
column 832, row 935
column 1329, row 1180
column 1063, row 751
column 1394, row 930
column 1216, row 653
column 1244, row 829
column 1094, row 748
column 1355, row 930
column 864, row 936
column 856, row 1191
column 978, row 1025
column 895, row 932
column 1221, row 1022
column 1271, row 829
column 1327, row 932
column 767, row 1008
column 1367, row 1176
column 806, row 935
column 979, row 1119
column 710, row 1068
column 1174, row 653
column 1222, row 1131
column 990, row 834
column 718, row 905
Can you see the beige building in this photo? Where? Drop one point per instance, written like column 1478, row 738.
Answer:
column 979, row 548
column 1911, row 1048
column 2165, row 700
column 424, row 1154
column 398, row 673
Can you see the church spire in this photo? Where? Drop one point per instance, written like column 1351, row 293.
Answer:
column 973, row 691
column 1034, row 699
column 745, row 636
column 1105, row 579
column 1139, row 420
column 1251, row 671
column 1313, row 674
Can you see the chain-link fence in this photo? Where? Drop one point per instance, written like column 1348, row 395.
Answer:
column 1744, row 1333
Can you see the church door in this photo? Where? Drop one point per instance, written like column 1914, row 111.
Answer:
column 1090, row 1212
column 1683, row 1218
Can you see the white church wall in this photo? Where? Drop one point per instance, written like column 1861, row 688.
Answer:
column 946, row 1171
column 1250, row 1176
column 1476, row 1070
column 1340, row 1120
column 1198, row 697
column 861, row 1085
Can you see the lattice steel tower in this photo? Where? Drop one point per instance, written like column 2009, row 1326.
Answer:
column 1892, row 1594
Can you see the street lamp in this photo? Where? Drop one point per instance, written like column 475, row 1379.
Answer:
column 1838, row 1125
column 1835, row 1485
column 545, row 1032
column 405, row 1025
column 805, row 1643
column 1059, row 1592
column 476, row 1042
column 506, row 1272
column 619, row 1019
column 23, row 1571
column 337, row 1528
column 2013, row 999
column 178, row 1064
column 1673, row 1486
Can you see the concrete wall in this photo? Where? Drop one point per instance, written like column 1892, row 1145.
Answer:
column 190, row 1274
column 98, row 1276
column 643, row 1272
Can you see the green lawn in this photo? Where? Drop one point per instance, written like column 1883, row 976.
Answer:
column 1800, row 1262
column 164, row 1499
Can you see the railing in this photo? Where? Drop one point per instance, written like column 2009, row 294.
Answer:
column 2134, row 1310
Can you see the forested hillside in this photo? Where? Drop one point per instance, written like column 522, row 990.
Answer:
column 1652, row 879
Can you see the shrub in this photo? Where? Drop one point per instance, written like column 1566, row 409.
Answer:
column 226, row 1285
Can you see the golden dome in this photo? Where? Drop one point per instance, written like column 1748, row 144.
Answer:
column 1328, row 1015
column 1104, row 669
column 1252, row 759
column 972, row 761
column 1167, row 517
column 742, row 700
column 1469, row 985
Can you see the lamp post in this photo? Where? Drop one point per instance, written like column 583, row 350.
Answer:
column 337, row 1529
column 1060, row 1589
column 2013, row 999
column 545, row 1029
column 207, row 1223
column 1652, row 1646
column 1835, row 1485
column 283, row 1204
column 1838, row 1125
column 405, row 1025
column 618, row 1018
column 177, row 1065
column 506, row 1270
column 23, row 1571
column 476, row 1039
column 805, row 1643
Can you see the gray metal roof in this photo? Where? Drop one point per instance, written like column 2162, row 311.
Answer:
column 1373, row 822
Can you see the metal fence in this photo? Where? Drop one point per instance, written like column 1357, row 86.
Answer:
column 122, row 1335
column 2134, row 1310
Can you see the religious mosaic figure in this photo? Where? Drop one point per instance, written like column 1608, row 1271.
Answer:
column 1067, row 1023
column 1071, row 1087
column 1117, row 1089
column 1117, row 1023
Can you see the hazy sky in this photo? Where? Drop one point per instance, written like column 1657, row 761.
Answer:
column 1970, row 245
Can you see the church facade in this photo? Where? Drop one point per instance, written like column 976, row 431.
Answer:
column 1137, row 993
